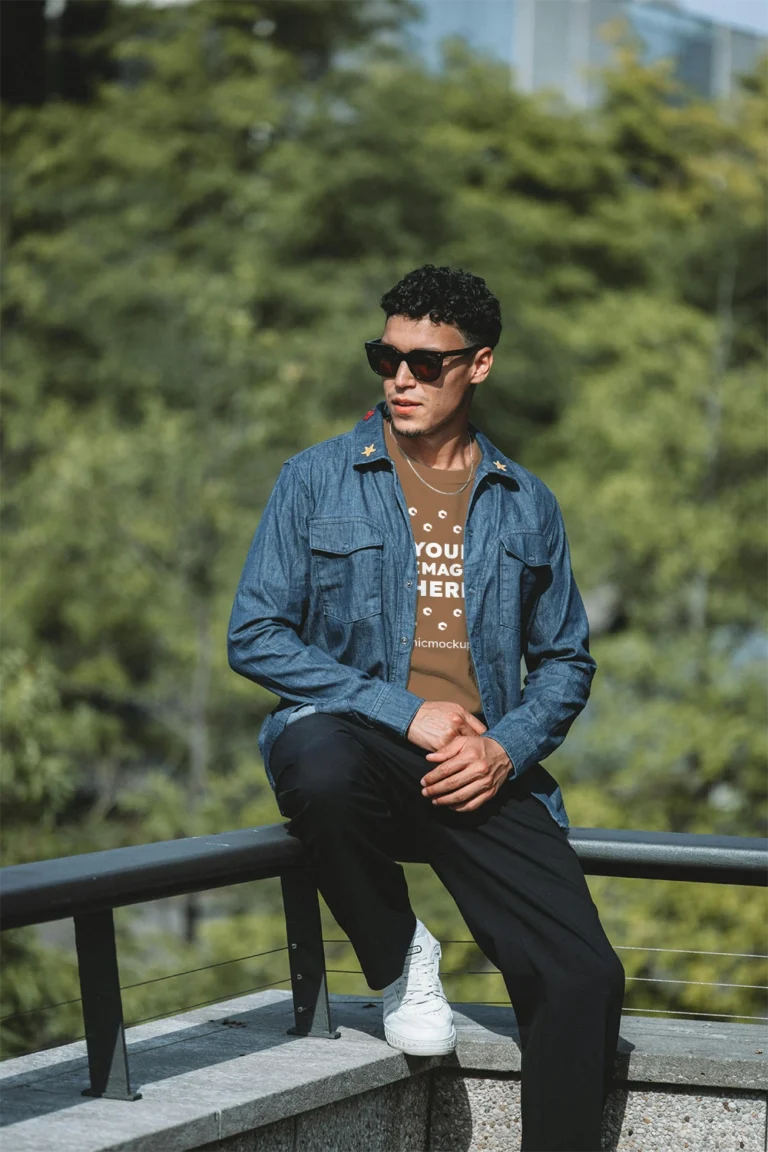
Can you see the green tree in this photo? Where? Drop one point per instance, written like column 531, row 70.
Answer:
column 43, row 744
column 195, row 257
column 661, row 461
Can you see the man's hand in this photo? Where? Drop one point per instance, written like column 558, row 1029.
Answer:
column 437, row 722
column 470, row 770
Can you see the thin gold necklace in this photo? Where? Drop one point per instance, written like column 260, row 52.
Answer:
column 438, row 490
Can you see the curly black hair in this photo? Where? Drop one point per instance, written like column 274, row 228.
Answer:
column 447, row 296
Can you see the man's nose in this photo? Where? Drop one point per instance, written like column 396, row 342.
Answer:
column 404, row 375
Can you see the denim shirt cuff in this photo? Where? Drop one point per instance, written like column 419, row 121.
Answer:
column 396, row 708
column 516, row 742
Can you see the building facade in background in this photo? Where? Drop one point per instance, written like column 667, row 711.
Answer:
column 554, row 43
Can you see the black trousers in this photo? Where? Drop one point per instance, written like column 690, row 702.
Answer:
column 352, row 795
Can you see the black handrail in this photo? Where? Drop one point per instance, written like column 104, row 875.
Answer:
column 703, row 858
column 97, row 881
column 88, row 887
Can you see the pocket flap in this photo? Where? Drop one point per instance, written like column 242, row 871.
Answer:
column 530, row 547
column 341, row 536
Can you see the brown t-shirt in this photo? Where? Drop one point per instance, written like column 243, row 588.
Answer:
column 441, row 663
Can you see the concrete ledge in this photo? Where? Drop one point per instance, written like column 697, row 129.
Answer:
column 230, row 1078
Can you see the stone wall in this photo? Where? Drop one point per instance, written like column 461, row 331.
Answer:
column 439, row 1111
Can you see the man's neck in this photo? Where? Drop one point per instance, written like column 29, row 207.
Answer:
column 453, row 453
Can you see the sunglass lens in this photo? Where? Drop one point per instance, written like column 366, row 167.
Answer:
column 425, row 368
column 383, row 360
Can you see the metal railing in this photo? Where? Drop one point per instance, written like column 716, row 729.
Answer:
column 90, row 886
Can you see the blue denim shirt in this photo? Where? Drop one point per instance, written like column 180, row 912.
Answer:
column 325, row 611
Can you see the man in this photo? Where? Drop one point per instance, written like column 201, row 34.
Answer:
column 399, row 573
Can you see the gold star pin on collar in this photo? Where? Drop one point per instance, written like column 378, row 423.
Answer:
column 367, row 451
column 498, row 464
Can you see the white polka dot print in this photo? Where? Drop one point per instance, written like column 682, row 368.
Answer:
column 441, row 662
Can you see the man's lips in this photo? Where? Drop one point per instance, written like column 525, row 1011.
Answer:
column 405, row 403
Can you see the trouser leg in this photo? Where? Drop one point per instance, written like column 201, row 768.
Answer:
column 516, row 881
column 328, row 780
column 520, row 887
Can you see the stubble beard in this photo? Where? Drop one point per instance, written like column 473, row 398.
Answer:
column 412, row 433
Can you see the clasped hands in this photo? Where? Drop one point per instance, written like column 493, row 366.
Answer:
column 469, row 767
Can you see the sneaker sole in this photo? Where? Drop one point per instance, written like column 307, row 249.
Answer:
column 421, row 1047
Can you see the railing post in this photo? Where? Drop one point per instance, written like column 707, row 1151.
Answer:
column 311, row 1008
column 102, row 1007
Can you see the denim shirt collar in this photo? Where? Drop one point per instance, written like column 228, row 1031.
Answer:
column 368, row 447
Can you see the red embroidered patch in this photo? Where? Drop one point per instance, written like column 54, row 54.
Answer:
column 369, row 414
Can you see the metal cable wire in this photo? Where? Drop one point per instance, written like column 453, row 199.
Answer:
column 680, row 1012
column 261, row 987
column 42, row 1008
column 325, row 941
column 136, row 1023
column 691, row 951
column 646, row 979
column 353, row 972
column 655, row 1011
column 205, row 967
column 454, row 972
column 707, row 983
column 141, row 983
column 629, row 948
column 170, row 1012
column 203, row 1003
column 254, row 955
column 668, row 1011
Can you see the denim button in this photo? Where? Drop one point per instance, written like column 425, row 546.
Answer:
column 408, row 583
column 403, row 639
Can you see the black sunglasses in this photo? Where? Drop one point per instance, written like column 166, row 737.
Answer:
column 424, row 364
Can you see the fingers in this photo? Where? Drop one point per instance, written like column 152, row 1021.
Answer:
column 468, row 772
column 438, row 724
column 476, row 724
column 471, row 805
column 471, row 791
column 452, row 748
column 452, row 787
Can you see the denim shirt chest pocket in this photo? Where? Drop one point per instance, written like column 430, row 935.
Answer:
column 525, row 572
column 347, row 566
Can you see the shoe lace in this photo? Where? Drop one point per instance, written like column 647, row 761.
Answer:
column 421, row 980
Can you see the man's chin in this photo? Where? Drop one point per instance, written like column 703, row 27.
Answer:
column 407, row 430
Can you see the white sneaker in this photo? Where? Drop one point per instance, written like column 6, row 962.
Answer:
column 417, row 1016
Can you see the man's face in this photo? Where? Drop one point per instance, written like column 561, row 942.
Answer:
column 428, row 407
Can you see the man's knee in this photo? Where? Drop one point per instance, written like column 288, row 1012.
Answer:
column 597, row 976
column 316, row 758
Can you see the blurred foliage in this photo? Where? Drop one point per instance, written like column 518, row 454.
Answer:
column 195, row 257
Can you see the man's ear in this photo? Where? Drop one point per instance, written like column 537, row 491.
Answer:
column 483, row 365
